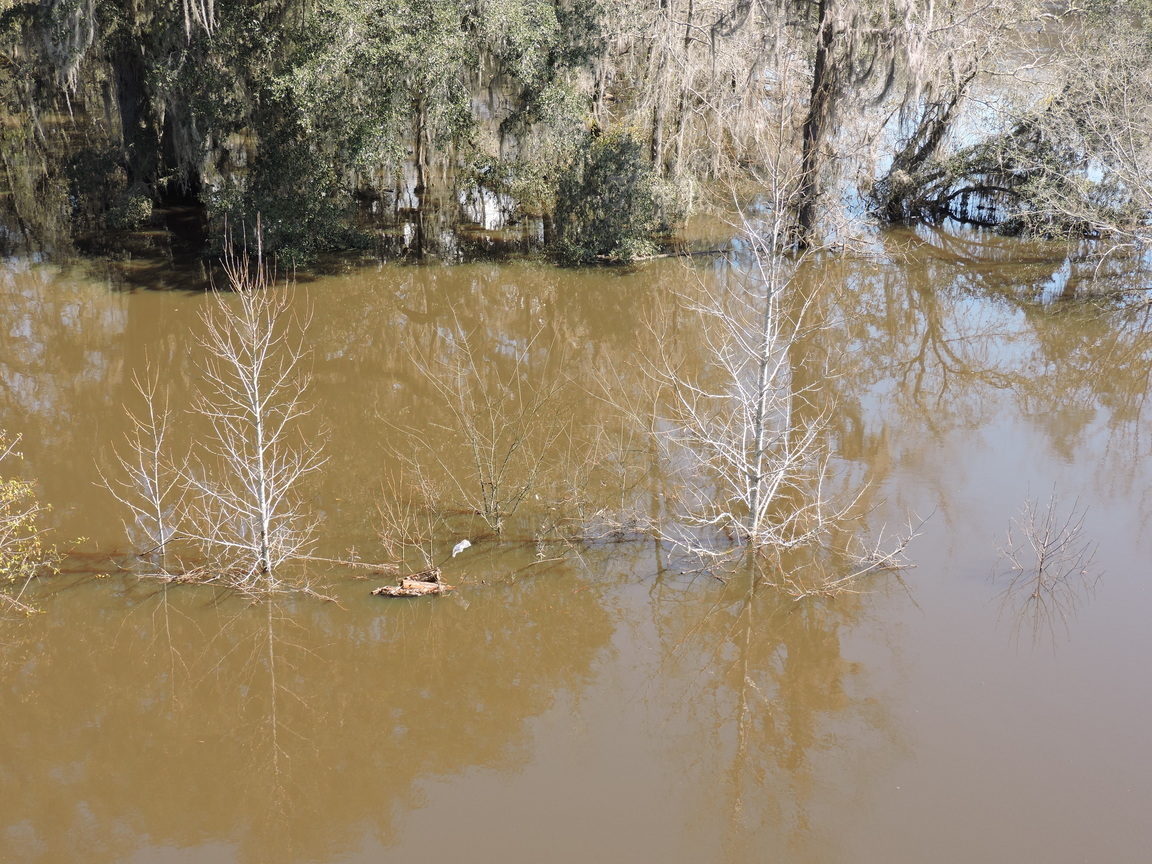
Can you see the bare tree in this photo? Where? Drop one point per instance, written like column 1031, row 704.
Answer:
column 1069, row 146
column 744, row 429
column 1085, row 152
column 737, row 425
column 150, row 486
column 1051, row 568
column 409, row 518
column 743, row 421
column 507, row 426
column 229, row 509
column 245, row 512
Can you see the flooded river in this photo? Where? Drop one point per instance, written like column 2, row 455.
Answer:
column 584, row 694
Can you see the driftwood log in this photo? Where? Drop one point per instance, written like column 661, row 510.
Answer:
column 417, row 585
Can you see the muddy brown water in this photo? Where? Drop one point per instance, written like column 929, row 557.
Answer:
column 593, row 701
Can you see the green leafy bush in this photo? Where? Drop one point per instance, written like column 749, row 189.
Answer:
column 608, row 204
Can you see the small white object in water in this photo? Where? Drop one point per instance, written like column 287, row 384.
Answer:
column 460, row 547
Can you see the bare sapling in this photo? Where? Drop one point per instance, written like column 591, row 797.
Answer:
column 229, row 511
column 744, row 430
column 245, row 509
column 507, row 427
column 409, row 518
column 755, row 459
column 745, row 422
column 1051, row 569
column 151, row 486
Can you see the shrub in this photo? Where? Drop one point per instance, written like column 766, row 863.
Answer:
column 608, row 204
column 22, row 552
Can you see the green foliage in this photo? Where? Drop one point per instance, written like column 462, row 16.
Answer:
column 35, row 199
column 130, row 212
column 537, row 41
column 547, row 138
column 295, row 191
column 608, row 204
column 96, row 179
column 22, row 551
column 284, row 109
column 99, row 193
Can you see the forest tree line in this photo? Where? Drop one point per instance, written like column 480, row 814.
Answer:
column 611, row 119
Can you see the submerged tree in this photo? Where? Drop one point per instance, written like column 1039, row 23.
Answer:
column 246, row 486
column 742, row 426
column 1051, row 569
column 150, row 485
column 739, row 425
column 505, row 425
column 230, row 509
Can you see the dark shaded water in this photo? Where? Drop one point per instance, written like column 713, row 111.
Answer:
column 576, row 702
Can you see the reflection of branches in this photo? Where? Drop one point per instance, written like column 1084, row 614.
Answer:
column 938, row 347
column 265, row 742
column 746, row 428
column 1051, row 568
column 770, row 682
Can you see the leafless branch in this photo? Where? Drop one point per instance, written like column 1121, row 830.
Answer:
column 232, row 505
column 244, row 508
column 1051, row 569
column 507, row 427
column 149, row 484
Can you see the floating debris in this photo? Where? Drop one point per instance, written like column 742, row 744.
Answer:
column 417, row 585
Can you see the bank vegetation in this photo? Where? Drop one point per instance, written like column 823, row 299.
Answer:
column 609, row 120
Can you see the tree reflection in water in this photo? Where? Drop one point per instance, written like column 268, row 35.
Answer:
column 784, row 727
column 973, row 328
column 286, row 730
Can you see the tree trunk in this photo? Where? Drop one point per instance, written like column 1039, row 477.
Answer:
column 138, row 135
column 682, row 105
column 815, row 124
column 420, row 154
column 657, row 138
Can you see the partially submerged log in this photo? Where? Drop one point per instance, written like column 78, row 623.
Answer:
column 417, row 585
